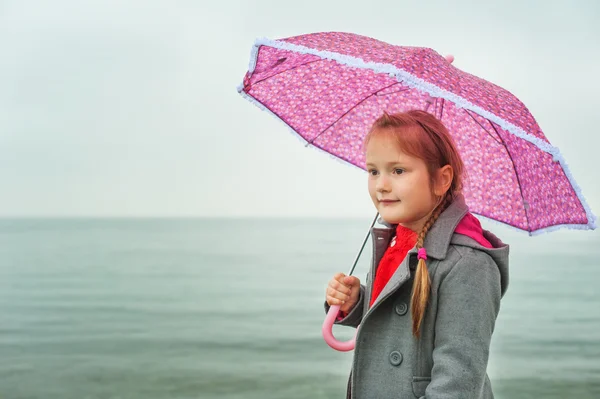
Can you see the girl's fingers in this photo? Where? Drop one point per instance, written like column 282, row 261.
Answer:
column 337, row 286
column 334, row 301
column 339, row 276
column 338, row 294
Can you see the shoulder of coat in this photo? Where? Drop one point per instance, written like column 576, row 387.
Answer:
column 458, row 253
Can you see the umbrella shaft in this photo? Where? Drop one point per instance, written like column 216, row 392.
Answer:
column 363, row 245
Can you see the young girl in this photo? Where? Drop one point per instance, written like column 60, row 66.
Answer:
column 431, row 298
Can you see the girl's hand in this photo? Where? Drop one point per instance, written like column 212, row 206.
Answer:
column 344, row 291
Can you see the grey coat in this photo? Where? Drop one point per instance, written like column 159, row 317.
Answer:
column 450, row 358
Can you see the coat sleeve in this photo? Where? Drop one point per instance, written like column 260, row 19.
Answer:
column 468, row 304
column 354, row 318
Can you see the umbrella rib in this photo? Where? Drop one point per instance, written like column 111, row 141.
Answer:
column 515, row 170
column 287, row 70
column 350, row 110
column 480, row 125
column 392, row 92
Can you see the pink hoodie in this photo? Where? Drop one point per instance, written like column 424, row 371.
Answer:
column 470, row 227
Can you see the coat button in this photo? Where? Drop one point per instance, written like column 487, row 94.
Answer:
column 396, row 358
column 401, row 308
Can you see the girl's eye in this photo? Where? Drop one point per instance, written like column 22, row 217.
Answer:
column 398, row 171
column 372, row 172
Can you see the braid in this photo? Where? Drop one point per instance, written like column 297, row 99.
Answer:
column 421, row 286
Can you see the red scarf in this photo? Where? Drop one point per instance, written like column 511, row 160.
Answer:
column 404, row 241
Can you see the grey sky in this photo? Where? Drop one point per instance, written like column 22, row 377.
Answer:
column 111, row 108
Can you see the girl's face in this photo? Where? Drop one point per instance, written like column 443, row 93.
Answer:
column 399, row 184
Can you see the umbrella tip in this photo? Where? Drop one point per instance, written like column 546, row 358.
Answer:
column 450, row 58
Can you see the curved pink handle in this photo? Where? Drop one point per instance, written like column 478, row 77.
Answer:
column 328, row 332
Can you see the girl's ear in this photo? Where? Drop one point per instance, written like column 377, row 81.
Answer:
column 443, row 180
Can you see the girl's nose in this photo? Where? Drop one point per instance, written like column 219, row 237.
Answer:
column 382, row 183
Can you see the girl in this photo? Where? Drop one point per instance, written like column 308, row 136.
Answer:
column 431, row 298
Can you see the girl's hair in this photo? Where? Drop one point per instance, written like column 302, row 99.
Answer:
column 422, row 135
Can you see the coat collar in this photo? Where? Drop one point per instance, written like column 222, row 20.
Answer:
column 437, row 240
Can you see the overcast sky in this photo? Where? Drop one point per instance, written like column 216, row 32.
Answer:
column 129, row 108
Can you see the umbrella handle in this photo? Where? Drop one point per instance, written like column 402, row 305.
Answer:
column 327, row 328
column 328, row 332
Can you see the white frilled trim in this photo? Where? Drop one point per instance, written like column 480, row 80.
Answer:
column 424, row 86
column 539, row 231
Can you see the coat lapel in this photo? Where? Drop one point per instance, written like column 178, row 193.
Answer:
column 400, row 276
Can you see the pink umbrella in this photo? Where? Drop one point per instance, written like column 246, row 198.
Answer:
column 330, row 87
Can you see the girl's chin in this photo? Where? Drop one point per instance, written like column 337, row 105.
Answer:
column 394, row 218
column 390, row 219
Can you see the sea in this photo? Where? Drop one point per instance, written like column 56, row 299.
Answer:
column 156, row 308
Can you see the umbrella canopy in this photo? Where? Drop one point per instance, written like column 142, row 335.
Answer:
column 330, row 87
